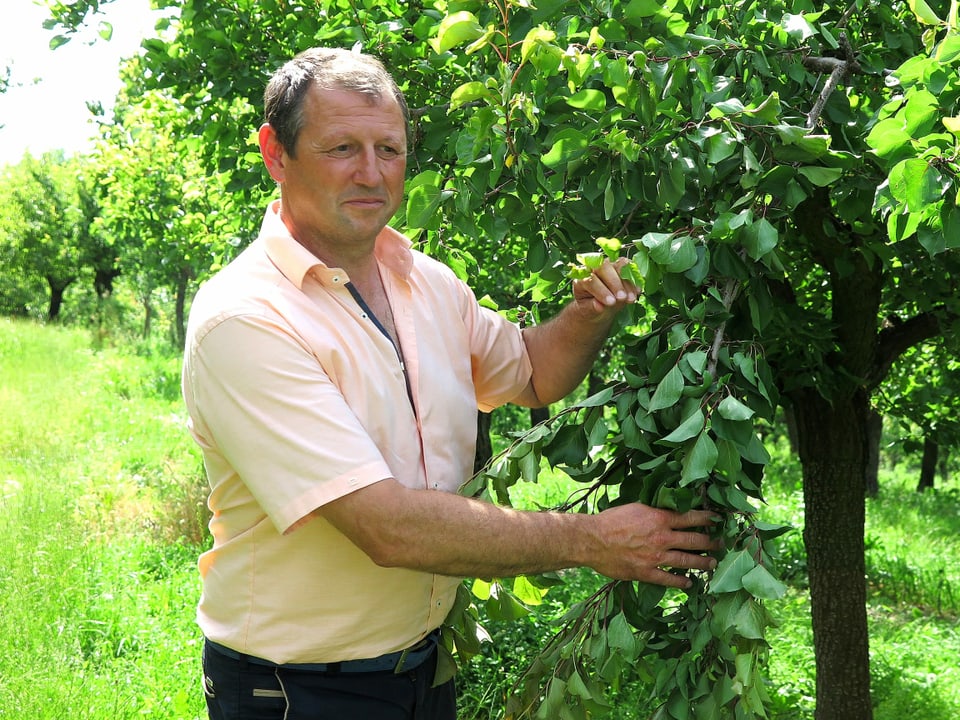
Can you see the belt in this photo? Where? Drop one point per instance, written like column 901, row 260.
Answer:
column 399, row 661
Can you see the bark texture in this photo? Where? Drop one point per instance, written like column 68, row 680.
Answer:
column 833, row 453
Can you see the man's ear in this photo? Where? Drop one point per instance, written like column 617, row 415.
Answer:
column 274, row 156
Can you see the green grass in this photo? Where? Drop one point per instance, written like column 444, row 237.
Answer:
column 98, row 512
column 102, row 519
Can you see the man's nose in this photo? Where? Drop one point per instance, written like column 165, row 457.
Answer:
column 367, row 171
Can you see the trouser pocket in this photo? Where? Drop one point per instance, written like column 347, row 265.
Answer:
column 238, row 690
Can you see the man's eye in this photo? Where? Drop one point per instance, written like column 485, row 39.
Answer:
column 340, row 150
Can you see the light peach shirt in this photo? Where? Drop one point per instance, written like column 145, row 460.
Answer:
column 296, row 398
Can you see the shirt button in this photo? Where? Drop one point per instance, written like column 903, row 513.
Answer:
column 336, row 278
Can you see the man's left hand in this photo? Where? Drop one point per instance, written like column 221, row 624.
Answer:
column 605, row 291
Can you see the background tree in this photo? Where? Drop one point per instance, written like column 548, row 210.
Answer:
column 171, row 222
column 921, row 394
column 46, row 226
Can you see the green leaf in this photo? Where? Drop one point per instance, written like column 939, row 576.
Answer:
column 728, row 577
column 771, row 530
column 576, row 686
column 676, row 253
column 952, row 124
column 697, row 360
column 530, row 466
column 750, row 620
column 638, row 10
column 915, row 183
column 924, row 12
column 951, row 226
column 588, row 100
column 691, row 426
column 423, row 198
column 568, row 145
column 668, row 390
column 620, row 635
column 567, row 447
column 535, row 37
column 888, row 138
column 468, row 92
column 755, row 451
column 700, row 461
column 527, row 592
column 720, row 146
column 732, row 409
column 456, row 29
column 504, row 605
column 761, row 584
column 821, row 176
column 760, row 238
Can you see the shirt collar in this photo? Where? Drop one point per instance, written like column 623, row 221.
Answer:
column 296, row 262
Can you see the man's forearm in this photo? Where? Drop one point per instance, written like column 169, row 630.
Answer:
column 452, row 535
column 563, row 350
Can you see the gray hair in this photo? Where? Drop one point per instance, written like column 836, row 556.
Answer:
column 329, row 69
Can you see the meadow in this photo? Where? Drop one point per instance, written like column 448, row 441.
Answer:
column 102, row 516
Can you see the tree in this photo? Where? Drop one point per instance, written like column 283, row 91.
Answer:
column 781, row 189
column 921, row 394
column 170, row 220
column 48, row 226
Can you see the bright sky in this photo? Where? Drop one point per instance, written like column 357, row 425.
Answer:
column 45, row 107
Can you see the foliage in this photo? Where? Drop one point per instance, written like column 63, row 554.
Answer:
column 185, row 231
column 46, row 226
column 920, row 387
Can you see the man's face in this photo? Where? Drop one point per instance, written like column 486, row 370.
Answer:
column 346, row 180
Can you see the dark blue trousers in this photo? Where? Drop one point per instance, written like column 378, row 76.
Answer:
column 242, row 690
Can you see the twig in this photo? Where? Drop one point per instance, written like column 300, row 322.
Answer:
column 730, row 293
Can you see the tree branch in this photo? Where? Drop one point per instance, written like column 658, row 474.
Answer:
column 839, row 71
column 898, row 337
column 730, row 293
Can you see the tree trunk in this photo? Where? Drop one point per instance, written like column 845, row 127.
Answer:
column 57, row 289
column 874, row 434
column 538, row 415
column 147, row 317
column 180, row 331
column 928, row 466
column 484, row 445
column 790, row 420
column 833, row 453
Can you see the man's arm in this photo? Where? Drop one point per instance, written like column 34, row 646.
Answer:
column 563, row 350
column 453, row 535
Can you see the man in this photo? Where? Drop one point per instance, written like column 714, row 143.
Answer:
column 332, row 377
